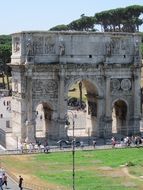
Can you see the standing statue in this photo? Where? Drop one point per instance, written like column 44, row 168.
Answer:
column 62, row 49
column 29, row 48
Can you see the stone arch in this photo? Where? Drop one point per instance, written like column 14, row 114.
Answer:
column 73, row 80
column 43, row 119
column 47, row 75
column 93, row 109
column 120, row 111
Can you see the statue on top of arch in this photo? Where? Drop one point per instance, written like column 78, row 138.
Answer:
column 29, row 50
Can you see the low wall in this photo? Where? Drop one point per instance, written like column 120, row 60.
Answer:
column 3, row 138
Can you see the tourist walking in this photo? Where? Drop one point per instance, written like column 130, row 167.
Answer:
column 113, row 142
column 2, row 172
column 20, row 182
column 94, row 143
column 4, row 179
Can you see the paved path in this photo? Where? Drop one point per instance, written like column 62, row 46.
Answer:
column 11, row 184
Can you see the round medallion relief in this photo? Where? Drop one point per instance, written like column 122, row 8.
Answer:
column 52, row 85
column 115, row 84
column 126, row 84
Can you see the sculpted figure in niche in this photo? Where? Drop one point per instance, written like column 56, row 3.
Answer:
column 136, row 47
column 62, row 49
column 38, row 45
column 16, row 45
column 108, row 49
column 111, row 47
column 29, row 47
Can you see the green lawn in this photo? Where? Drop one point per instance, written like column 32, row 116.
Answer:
column 94, row 170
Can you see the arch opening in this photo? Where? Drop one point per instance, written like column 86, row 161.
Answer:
column 83, row 102
column 119, row 118
column 43, row 121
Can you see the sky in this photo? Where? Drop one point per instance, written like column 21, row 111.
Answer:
column 24, row 15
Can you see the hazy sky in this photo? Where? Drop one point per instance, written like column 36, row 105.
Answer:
column 19, row 15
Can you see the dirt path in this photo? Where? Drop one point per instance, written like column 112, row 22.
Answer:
column 126, row 171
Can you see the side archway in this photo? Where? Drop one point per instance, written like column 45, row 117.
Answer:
column 43, row 120
column 120, row 117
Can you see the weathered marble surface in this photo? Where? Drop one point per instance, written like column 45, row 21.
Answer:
column 46, row 64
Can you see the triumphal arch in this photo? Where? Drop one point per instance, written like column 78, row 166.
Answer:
column 46, row 64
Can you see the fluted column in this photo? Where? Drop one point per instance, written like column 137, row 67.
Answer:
column 108, row 118
column 137, row 104
column 30, row 120
column 107, row 106
column 61, row 104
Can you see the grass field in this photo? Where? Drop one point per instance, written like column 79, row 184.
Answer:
column 94, row 169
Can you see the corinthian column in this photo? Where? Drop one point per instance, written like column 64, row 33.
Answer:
column 108, row 118
column 30, row 120
column 61, row 105
column 108, row 106
column 137, row 104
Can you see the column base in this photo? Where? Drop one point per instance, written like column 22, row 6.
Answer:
column 30, row 138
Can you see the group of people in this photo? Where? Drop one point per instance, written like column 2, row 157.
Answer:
column 3, row 180
column 127, row 141
column 33, row 147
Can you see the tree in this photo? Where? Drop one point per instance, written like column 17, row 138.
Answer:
column 5, row 56
column 85, row 23
column 126, row 19
column 61, row 27
column 121, row 19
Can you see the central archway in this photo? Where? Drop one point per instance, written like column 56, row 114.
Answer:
column 84, row 94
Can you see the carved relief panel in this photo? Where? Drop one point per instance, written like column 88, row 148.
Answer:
column 38, row 43
column 121, row 86
column 49, row 46
column 45, row 87
column 118, row 46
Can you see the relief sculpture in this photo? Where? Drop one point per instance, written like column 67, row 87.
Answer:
column 61, row 49
column 16, row 47
column 38, row 45
column 29, row 50
column 126, row 84
column 49, row 46
column 120, row 86
column 45, row 87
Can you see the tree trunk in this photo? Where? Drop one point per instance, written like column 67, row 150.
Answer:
column 3, row 81
column 7, row 82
